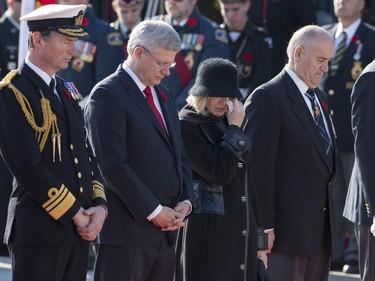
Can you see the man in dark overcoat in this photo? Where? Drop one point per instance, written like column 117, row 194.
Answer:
column 360, row 201
column 292, row 145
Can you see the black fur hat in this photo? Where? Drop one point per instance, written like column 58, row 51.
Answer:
column 216, row 77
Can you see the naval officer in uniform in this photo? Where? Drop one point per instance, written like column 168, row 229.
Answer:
column 58, row 202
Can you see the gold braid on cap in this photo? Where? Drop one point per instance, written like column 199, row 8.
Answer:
column 49, row 118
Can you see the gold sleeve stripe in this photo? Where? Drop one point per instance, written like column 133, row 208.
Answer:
column 98, row 190
column 97, row 183
column 59, row 203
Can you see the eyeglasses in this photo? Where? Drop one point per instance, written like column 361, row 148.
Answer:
column 162, row 65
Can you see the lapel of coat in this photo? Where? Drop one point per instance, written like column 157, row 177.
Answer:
column 137, row 96
column 325, row 109
column 167, row 111
column 303, row 114
column 55, row 103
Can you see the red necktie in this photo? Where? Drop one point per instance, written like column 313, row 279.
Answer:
column 151, row 103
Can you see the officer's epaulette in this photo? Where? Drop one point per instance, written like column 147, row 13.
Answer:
column 8, row 78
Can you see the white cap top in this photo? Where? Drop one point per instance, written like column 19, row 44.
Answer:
column 53, row 11
column 66, row 19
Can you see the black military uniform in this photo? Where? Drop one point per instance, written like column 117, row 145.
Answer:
column 252, row 55
column 97, row 56
column 9, row 30
column 124, row 33
column 359, row 53
column 201, row 39
column 43, row 142
column 281, row 18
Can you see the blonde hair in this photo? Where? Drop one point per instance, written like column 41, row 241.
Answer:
column 199, row 103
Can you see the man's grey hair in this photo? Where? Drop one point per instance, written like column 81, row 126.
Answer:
column 154, row 34
column 305, row 37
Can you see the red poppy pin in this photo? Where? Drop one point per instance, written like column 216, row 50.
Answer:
column 355, row 39
column 85, row 22
column 325, row 106
column 191, row 22
column 247, row 56
column 163, row 96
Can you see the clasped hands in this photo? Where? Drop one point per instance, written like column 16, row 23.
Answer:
column 171, row 219
column 89, row 222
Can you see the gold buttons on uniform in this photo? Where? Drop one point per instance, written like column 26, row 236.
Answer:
column 71, row 146
column 79, row 175
column 244, row 233
column 81, row 189
column 86, row 145
column 89, row 159
column 331, row 92
column 331, row 112
column 92, row 173
column 76, row 160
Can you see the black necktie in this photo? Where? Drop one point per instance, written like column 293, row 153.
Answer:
column 52, row 84
column 319, row 121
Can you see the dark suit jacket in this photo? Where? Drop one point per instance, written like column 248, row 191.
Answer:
column 339, row 86
column 41, row 205
column 290, row 168
column 360, row 200
column 142, row 167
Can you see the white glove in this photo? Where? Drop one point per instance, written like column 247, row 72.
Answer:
column 373, row 226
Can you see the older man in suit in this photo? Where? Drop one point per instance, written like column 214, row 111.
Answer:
column 354, row 43
column 135, row 132
column 293, row 151
column 360, row 201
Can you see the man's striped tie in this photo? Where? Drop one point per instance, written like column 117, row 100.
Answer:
column 335, row 64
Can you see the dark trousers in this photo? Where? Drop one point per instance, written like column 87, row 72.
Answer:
column 66, row 262
column 299, row 268
column 366, row 252
column 131, row 263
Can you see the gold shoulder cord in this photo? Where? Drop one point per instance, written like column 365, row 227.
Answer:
column 49, row 118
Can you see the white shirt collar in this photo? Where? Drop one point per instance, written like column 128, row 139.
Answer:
column 350, row 30
column 302, row 87
column 134, row 76
column 46, row 78
column 181, row 23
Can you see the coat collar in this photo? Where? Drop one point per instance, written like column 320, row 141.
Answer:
column 35, row 79
column 298, row 106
